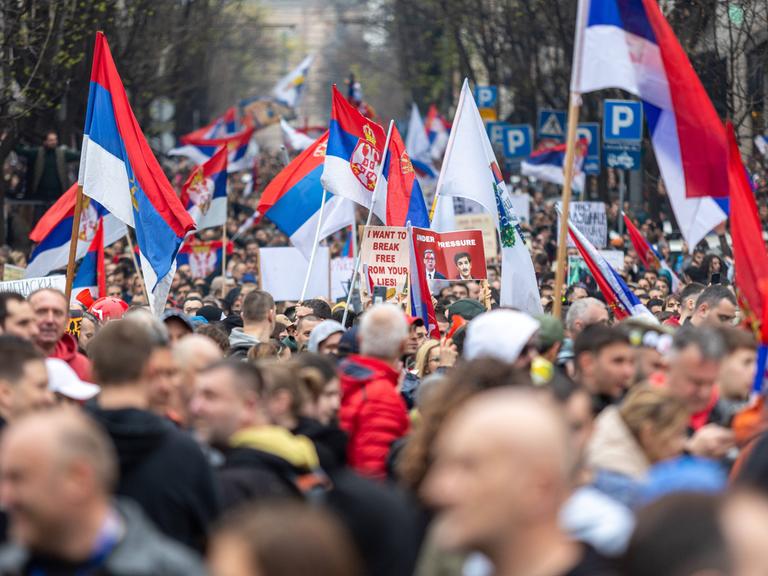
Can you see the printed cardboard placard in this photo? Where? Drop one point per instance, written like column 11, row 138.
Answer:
column 385, row 258
column 457, row 255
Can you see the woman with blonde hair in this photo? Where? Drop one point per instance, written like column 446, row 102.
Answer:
column 427, row 358
column 649, row 426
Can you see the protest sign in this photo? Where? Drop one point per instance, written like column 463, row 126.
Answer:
column 457, row 255
column 385, row 256
column 341, row 274
column 484, row 223
column 615, row 258
column 11, row 272
column 283, row 271
column 590, row 219
column 522, row 206
column 577, row 270
column 28, row 285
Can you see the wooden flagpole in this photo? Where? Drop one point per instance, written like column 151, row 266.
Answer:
column 562, row 239
column 224, row 250
column 356, row 267
column 134, row 257
column 574, row 106
column 73, row 242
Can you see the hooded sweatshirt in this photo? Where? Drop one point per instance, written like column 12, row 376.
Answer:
column 66, row 349
column 240, row 343
column 269, row 462
column 164, row 471
column 372, row 412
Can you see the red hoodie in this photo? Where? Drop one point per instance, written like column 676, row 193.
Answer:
column 372, row 412
column 66, row 349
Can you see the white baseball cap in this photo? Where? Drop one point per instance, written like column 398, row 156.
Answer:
column 500, row 334
column 65, row 381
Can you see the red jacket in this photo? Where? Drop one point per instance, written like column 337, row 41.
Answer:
column 372, row 412
column 66, row 349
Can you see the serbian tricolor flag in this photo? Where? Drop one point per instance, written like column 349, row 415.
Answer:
column 619, row 298
column 204, row 194
column 437, row 129
column 548, row 164
column 417, row 143
column 225, row 125
column 647, row 254
column 53, row 233
column 292, row 200
column 118, row 170
column 628, row 44
column 201, row 150
column 421, row 298
column 354, row 155
column 90, row 273
column 403, row 198
column 749, row 253
column 203, row 258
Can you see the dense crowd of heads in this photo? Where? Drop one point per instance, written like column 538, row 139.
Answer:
column 247, row 436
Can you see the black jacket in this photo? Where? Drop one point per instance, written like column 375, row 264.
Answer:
column 330, row 442
column 164, row 471
column 143, row 551
column 250, row 475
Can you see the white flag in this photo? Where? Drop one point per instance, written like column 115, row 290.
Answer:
column 294, row 139
column 290, row 88
column 418, row 145
column 470, row 171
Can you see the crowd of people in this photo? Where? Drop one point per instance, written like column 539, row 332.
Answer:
column 236, row 435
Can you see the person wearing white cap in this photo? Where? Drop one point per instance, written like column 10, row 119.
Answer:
column 66, row 384
column 507, row 335
column 325, row 337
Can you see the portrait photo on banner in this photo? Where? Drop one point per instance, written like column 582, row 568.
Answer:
column 451, row 256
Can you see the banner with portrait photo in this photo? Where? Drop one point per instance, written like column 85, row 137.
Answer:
column 451, row 256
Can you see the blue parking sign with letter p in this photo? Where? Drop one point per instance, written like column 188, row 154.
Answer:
column 486, row 96
column 622, row 121
column 496, row 133
column 518, row 141
column 590, row 131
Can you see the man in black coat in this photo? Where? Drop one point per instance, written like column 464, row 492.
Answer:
column 161, row 467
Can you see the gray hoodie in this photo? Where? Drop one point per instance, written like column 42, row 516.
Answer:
column 240, row 343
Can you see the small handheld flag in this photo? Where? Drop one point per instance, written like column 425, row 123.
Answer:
column 204, row 194
column 648, row 255
column 354, row 154
column 619, row 298
column 53, row 233
column 91, row 272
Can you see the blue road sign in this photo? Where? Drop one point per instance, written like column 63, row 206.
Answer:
column 496, row 133
column 622, row 156
column 622, row 121
column 486, row 96
column 590, row 131
column 518, row 141
column 552, row 124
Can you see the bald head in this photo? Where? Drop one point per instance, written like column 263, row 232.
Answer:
column 66, row 435
column 502, row 468
column 195, row 352
column 57, row 471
